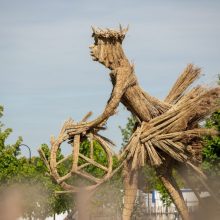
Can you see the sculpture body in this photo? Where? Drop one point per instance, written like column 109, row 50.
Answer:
column 167, row 134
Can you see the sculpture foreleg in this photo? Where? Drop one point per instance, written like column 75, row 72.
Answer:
column 122, row 81
column 130, row 190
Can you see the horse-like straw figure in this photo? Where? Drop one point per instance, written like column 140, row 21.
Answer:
column 167, row 134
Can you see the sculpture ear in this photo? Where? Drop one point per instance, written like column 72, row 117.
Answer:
column 120, row 28
column 93, row 29
column 123, row 31
column 126, row 30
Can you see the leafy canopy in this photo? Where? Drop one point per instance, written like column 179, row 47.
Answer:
column 29, row 179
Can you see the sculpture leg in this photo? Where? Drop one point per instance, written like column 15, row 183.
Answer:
column 130, row 190
column 172, row 188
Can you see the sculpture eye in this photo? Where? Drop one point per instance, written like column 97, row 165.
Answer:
column 96, row 41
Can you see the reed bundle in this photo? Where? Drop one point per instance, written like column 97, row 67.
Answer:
column 168, row 130
column 176, row 132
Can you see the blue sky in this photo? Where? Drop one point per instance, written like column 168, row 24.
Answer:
column 47, row 74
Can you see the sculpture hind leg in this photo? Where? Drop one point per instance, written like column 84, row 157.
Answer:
column 165, row 174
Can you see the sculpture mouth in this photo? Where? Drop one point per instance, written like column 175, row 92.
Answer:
column 92, row 51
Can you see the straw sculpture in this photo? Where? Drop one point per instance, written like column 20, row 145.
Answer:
column 167, row 135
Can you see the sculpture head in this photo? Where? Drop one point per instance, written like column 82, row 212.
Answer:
column 107, row 47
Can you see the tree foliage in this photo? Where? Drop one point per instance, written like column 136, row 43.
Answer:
column 211, row 153
column 29, row 179
column 128, row 130
column 9, row 164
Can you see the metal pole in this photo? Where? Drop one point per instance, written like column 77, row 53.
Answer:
column 29, row 149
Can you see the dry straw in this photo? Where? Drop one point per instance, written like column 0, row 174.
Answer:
column 168, row 132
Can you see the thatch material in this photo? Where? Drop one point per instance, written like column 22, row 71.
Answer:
column 189, row 75
column 130, row 190
column 77, row 169
column 169, row 133
column 168, row 130
column 165, row 174
column 176, row 132
column 107, row 47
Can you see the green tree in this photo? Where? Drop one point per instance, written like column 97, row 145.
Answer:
column 211, row 153
column 9, row 164
column 128, row 130
column 29, row 178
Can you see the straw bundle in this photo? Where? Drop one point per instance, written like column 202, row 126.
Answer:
column 173, row 134
column 176, row 129
column 78, row 169
column 189, row 75
column 168, row 130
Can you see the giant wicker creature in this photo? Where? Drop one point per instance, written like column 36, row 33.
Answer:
column 167, row 134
